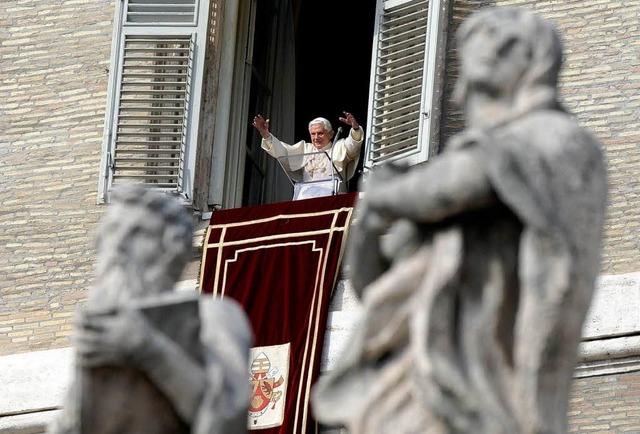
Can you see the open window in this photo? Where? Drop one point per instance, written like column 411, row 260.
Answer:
column 402, row 103
column 294, row 60
column 290, row 60
column 153, row 105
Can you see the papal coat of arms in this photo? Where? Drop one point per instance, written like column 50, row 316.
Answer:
column 269, row 372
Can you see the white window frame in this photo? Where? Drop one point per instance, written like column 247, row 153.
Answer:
column 196, row 30
column 420, row 148
column 228, row 161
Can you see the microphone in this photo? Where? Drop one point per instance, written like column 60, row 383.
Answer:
column 333, row 172
column 335, row 138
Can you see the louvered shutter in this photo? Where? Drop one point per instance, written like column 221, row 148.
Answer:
column 161, row 11
column 402, row 75
column 155, row 87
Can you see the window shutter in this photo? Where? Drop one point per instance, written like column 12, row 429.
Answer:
column 161, row 11
column 402, row 77
column 151, row 125
column 155, row 87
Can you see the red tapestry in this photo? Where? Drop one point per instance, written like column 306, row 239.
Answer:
column 281, row 262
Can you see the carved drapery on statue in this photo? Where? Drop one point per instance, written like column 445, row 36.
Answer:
column 281, row 262
column 476, row 270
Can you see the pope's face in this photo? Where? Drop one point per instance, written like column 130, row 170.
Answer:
column 319, row 136
column 495, row 59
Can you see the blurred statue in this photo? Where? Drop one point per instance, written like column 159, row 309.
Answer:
column 476, row 270
column 150, row 359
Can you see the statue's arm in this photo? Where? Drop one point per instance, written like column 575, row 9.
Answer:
column 365, row 253
column 125, row 338
column 453, row 183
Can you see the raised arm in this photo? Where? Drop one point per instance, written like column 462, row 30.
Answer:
column 397, row 201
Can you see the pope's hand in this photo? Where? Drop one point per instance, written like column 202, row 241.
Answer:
column 262, row 126
column 349, row 120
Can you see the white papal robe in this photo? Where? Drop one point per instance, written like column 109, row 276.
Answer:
column 313, row 164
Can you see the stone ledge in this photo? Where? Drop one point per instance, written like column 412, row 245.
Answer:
column 615, row 308
column 612, row 329
column 608, row 356
column 34, row 381
column 30, row 423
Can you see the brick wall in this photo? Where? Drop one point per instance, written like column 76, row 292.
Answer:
column 53, row 79
column 54, row 56
column 600, row 85
column 605, row 405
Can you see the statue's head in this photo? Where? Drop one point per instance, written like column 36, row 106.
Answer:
column 508, row 52
column 145, row 238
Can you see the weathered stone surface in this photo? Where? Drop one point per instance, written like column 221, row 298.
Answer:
column 149, row 359
column 476, row 271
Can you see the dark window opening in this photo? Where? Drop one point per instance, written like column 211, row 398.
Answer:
column 329, row 44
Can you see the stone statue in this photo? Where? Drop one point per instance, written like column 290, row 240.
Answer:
column 476, row 270
column 150, row 359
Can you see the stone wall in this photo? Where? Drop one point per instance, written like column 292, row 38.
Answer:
column 54, row 57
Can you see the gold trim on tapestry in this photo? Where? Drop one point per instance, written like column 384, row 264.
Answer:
column 311, row 342
column 235, row 258
column 279, row 216
column 318, row 311
column 274, row 237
